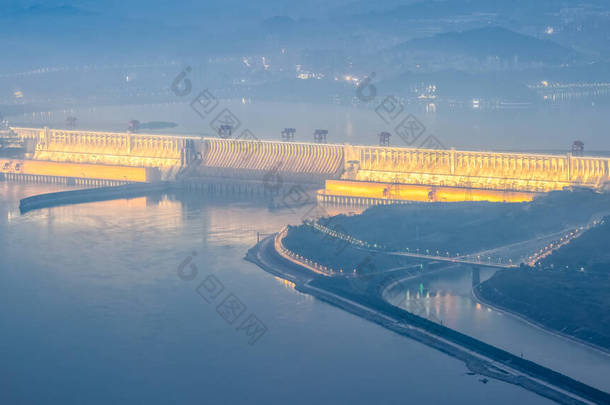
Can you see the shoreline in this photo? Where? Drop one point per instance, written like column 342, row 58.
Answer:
column 532, row 322
column 86, row 195
column 479, row 357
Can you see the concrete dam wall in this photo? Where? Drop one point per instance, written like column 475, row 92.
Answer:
column 167, row 153
column 485, row 170
column 350, row 171
column 253, row 160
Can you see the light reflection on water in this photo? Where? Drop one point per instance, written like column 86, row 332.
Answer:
column 92, row 311
column 446, row 298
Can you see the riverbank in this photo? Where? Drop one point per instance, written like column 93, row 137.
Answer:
column 478, row 356
column 565, row 292
column 532, row 322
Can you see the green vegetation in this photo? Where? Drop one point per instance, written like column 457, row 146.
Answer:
column 337, row 254
column 569, row 291
column 447, row 227
column 590, row 253
column 469, row 226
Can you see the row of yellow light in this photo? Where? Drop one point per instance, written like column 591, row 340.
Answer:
column 564, row 240
column 302, row 259
column 361, row 243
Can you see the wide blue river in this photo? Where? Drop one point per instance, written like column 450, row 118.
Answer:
column 92, row 311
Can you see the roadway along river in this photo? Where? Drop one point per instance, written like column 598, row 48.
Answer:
column 92, row 311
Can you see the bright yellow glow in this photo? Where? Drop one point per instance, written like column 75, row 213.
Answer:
column 413, row 192
column 78, row 170
column 469, row 169
column 289, row 284
column 107, row 148
column 380, row 172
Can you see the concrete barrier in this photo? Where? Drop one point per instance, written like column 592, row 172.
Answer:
column 89, row 195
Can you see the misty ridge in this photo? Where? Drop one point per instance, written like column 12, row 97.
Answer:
column 129, row 52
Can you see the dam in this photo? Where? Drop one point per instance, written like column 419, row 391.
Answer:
column 341, row 174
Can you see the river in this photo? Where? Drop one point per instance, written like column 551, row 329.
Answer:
column 92, row 310
column 446, row 298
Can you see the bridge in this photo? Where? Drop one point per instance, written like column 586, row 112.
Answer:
column 471, row 259
column 460, row 260
column 538, row 248
column 341, row 173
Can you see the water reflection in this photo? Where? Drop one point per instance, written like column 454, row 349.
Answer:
column 90, row 296
column 446, row 298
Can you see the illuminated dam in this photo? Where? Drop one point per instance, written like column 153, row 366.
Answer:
column 341, row 173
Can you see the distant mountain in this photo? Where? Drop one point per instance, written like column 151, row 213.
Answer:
column 495, row 42
column 39, row 10
column 435, row 9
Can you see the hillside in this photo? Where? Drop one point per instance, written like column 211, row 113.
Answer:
column 469, row 226
column 568, row 292
column 490, row 42
column 457, row 228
